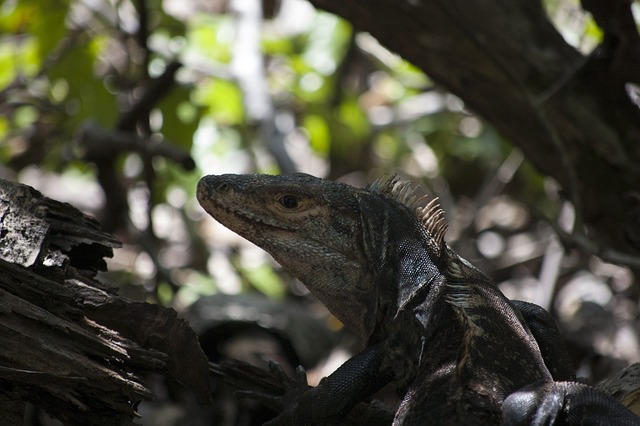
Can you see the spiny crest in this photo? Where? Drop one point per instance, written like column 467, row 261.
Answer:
column 431, row 216
column 433, row 220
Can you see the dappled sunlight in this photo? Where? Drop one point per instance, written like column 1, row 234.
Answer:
column 520, row 118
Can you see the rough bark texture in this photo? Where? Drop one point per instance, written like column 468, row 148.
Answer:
column 570, row 114
column 624, row 387
column 71, row 345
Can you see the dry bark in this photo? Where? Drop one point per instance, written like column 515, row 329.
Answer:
column 71, row 345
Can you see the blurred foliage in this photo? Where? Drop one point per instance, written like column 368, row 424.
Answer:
column 340, row 104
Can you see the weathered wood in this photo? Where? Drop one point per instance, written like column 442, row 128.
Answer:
column 39, row 231
column 625, row 387
column 71, row 345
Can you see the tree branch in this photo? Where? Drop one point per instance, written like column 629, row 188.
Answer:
column 509, row 64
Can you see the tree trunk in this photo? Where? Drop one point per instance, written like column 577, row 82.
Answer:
column 571, row 115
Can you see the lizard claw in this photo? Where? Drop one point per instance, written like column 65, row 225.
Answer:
column 286, row 403
column 300, row 379
column 284, row 379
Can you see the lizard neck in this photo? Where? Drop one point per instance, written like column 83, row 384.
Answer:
column 408, row 279
column 405, row 265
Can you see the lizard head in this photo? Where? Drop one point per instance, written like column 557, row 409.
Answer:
column 310, row 226
column 344, row 243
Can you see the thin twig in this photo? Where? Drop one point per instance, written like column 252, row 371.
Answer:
column 493, row 186
column 578, row 240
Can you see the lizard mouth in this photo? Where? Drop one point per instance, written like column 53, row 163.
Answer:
column 227, row 202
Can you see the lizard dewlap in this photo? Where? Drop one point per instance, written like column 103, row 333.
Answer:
column 459, row 351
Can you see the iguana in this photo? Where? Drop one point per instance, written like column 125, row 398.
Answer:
column 458, row 351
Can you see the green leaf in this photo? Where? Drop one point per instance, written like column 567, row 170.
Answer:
column 211, row 36
column 223, row 101
column 180, row 117
column 88, row 97
column 165, row 293
column 25, row 115
column 47, row 22
column 352, row 116
column 318, row 131
column 196, row 286
column 328, row 43
column 265, row 280
column 277, row 45
column 19, row 57
column 592, row 30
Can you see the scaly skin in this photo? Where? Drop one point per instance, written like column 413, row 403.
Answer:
column 434, row 326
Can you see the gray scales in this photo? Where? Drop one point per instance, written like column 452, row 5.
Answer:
column 458, row 351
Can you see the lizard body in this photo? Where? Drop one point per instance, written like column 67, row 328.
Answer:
column 459, row 351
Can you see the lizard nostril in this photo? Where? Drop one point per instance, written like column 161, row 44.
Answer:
column 223, row 187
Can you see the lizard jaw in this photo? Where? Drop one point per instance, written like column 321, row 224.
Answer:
column 215, row 192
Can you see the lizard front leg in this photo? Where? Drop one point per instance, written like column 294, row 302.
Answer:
column 329, row 402
column 545, row 331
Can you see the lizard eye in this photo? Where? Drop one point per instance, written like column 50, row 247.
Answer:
column 289, row 202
